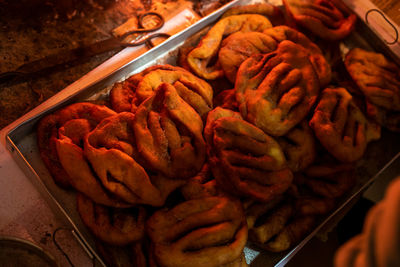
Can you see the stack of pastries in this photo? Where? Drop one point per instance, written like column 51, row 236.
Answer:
column 255, row 135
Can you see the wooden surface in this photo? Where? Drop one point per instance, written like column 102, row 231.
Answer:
column 390, row 7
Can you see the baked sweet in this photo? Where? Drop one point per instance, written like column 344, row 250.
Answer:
column 80, row 118
column 276, row 91
column 329, row 20
column 244, row 160
column 199, row 58
column 169, row 134
column 129, row 94
column 341, row 127
column 376, row 76
column 111, row 149
column 299, row 146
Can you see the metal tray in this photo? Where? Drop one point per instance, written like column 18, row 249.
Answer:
column 21, row 140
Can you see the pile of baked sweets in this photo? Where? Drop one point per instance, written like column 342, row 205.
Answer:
column 179, row 169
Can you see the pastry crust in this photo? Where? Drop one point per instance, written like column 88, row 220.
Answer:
column 169, row 134
column 244, row 160
column 341, row 127
column 114, row 226
column 376, row 76
column 200, row 57
column 327, row 19
column 86, row 117
column 276, row 91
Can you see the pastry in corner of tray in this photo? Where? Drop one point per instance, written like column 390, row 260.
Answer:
column 64, row 130
column 244, row 160
column 276, row 91
column 379, row 80
column 326, row 19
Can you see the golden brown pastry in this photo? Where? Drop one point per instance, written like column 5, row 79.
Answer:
column 114, row 226
column 208, row 231
column 298, row 145
column 273, row 13
column 127, row 95
column 330, row 180
column 376, row 76
column 244, row 160
column 276, row 91
column 123, row 94
column 327, row 19
column 272, row 225
column 168, row 132
column 112, row 153
column 199, row 58
column 202, row 185
column 226, row 99
column 341, row 127
column 80, row 119
column 315, row 55
column 239, row 46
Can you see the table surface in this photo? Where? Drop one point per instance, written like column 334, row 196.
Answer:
column 24, row 212
column 389, row 7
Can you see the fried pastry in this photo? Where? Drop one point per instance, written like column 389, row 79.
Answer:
column 239, row 46
column 112, row 153
column 244, row 160
column 200, row 186
column 113, row 226
column 123, row 94
column 331, row 181
column 276, row 91
column 127, row 95
column 199, row 59
column 169, row 134
column 376, row 76
column 315, row 55
column 298, row 145
column 132, row 255
column 272, row 225
column 341, row 127
column 226, row 99
column 87, row 116
column 327, row 19
column 201, row 232
column 273, row 13
column 67, row 125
